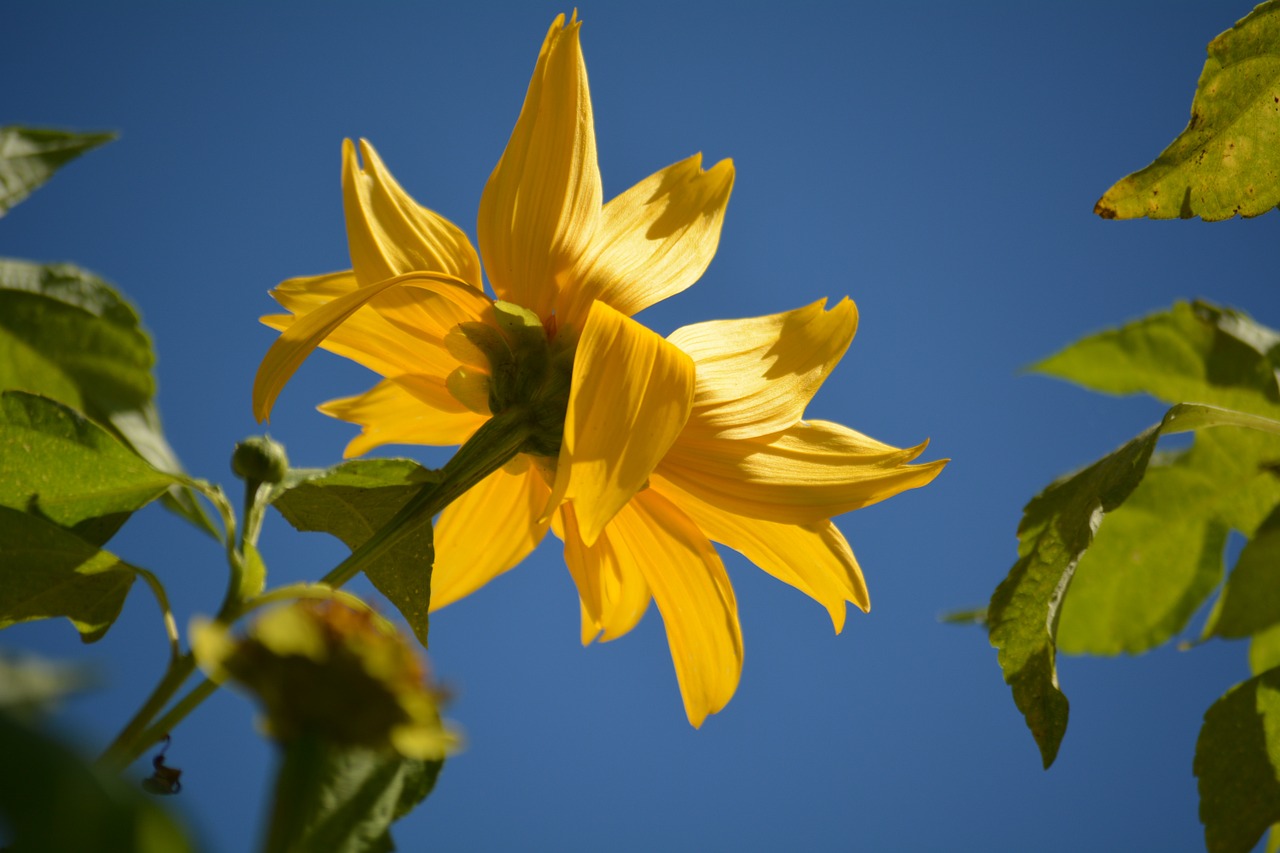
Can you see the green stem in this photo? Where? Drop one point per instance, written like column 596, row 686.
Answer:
column 129, row 744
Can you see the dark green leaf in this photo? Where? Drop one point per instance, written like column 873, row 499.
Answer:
column 29, row 156
column 46, row 571
column 1194, row 352
column 1250, row 600
column 66, row 334
column 1237, row 757
column 353, row 500
column 343, row 799
column 1227, row 160
column 63, row 467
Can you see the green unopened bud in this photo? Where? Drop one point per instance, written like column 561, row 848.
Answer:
column 260, row 459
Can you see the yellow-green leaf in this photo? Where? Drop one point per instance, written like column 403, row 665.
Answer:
column 30, row 155
column 1250, row 600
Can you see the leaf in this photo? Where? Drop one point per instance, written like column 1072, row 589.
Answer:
column 354, row 499
column 46, row 571
column 29, row 683
column 1237, row 756
column 52, row 799
column 66, row 334
column 343, row 799
column 67, row 469
column 29, row 156
column 1056, row 529
column 1250, row 600
column 1227, row 160
column 1264, row 650
column 1193, row 352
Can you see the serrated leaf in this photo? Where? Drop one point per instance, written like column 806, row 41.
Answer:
column 1227, row 160
column 1237, row 761
column 1193, row 352
column 343, row 799
column 65, row 468
column 66, row 334
column 30, row 155
column 352, row 501
column 47, row 571
column 1250, row 600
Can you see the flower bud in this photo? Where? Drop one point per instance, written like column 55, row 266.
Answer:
column 260, row 459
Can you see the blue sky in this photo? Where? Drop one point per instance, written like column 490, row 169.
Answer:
column 936, row 162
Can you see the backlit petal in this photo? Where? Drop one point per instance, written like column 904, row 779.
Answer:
column 391, row 413
column 487, row 531
column 693, row 594
column 389, row 234
column 307, row 332
column 814, row 559
column 653, row 241
column 541, row 204
column 807, row 474
column 755, row 376
column 612, row 587
column 630, row 396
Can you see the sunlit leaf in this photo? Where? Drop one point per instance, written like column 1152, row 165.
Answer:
column 29, row 156
column 354, row 499
column 1237, row 759
column 1227, row 160
column 66, row 334
column 47, row 571
column 1264, row 650
column 1250, row 600
column 65, row 468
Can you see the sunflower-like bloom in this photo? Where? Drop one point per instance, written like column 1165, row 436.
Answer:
column 664, row 445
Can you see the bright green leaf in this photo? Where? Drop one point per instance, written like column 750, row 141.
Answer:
column 354, row 499
column 65, row 468
column 29, row 156
column 1237, row 757
column 1250, row 600
column 66, row 334
column 46, row 571
column 1264, row 650
column 1227, row 160
column 1193, row 352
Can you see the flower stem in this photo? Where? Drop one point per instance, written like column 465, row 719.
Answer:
column 129, row 744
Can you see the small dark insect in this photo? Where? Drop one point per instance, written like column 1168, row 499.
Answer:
column 163, row 779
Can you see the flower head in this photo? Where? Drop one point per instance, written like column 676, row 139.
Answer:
column 656, row 447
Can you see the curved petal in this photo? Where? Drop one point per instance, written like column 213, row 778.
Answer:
column 308, row 331
column 814, row 559
column 541, row 204
column 365, row 337
column 392, row 413
column 471, row 549
column 693, row 594
column 756, row 376
column 629, row 398
column 389, row 234
column 611, row 586
column 653, row 241
column 804, row 475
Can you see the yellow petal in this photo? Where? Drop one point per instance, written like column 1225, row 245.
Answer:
column 693, row 594
column 804, row 475
column 653, row 241
column 390, row 413
column 814, row 559
column 541, row 204
column 307, row 332
column 365, row 337
column 611, row 585
column 389, row 233
column 629, row 398
column 487, row 531
column 755, row 376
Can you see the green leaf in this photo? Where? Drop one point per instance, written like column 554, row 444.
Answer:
column 65, row 468
column 1250, row 600
column 1237, row 757
column 29, row 684
column 1227, row 160
column 29, row 156
column 52, row 799
column 354, row 499
column 46, row 571
column 1264, row 650
column 1193, row 352
column 1057, row 527
column 343, row 799
column 66, row 334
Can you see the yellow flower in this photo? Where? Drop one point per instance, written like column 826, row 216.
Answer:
column 668, row 444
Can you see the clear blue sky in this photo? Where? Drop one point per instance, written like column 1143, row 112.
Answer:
column 937, row 162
